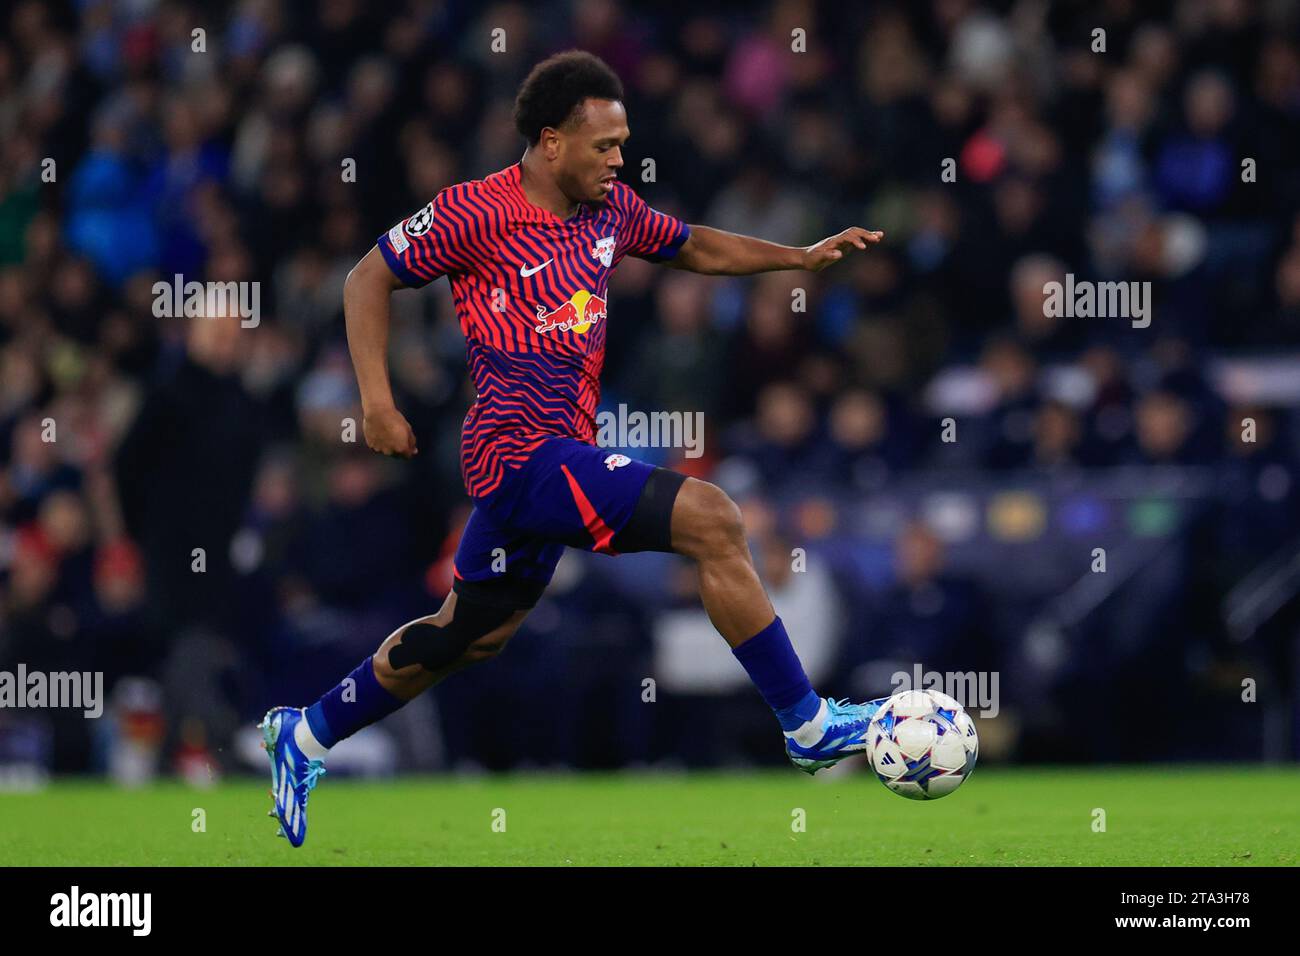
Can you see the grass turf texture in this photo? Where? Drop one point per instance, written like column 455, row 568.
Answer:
column 1214, row 816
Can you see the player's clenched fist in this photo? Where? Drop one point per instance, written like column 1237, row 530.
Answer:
column 388, row 432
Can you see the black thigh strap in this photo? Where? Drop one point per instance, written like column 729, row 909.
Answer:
column 650, row 527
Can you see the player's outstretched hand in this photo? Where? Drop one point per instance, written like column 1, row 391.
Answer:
column 822, row 254
column 388, row 432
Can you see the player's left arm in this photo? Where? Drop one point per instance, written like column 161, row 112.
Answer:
column 714, row 252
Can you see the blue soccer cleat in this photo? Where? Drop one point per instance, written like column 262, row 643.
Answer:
column 293, row 775
column 843, row 733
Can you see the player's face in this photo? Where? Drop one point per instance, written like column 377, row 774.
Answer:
column 591, row 152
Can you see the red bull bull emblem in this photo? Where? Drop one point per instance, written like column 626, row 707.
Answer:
column 580, row 313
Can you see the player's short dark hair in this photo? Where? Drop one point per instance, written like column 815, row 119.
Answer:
column 556, row 88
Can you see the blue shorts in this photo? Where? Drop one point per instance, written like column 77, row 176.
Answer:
column 567, row 494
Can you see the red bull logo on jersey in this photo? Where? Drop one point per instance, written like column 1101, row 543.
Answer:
column 580, row 313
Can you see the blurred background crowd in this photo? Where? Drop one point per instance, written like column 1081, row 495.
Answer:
column 931, row 466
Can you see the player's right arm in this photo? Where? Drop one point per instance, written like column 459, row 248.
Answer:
column 441, row 238
column 366, row 314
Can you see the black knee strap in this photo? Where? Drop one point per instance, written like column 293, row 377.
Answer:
column 650, row 527
column 432, row 646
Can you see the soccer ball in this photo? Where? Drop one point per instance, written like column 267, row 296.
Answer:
column 922, row 744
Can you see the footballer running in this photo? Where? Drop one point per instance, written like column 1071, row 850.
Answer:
column 528, row 252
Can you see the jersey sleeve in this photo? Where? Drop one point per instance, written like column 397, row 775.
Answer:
column 649, row 233
column 443, row 237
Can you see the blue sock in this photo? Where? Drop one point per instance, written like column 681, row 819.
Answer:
column 773, row 666
column 334, row 716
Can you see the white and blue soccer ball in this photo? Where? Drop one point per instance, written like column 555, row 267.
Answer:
column 922, row 744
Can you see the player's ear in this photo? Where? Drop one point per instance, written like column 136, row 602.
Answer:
column 549, row 142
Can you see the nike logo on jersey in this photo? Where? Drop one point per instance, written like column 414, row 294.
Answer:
column 525, row 271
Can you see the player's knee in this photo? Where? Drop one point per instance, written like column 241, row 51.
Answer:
column 462, row 632
column 715, row 527
column 490, row 645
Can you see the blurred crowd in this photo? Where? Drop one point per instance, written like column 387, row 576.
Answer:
column 178, row 498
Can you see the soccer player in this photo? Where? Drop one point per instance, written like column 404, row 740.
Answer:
column 528, row 252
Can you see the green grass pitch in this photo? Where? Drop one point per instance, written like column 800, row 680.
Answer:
column 1205, row 816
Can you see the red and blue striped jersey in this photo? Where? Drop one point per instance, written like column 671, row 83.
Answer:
column 530, row 291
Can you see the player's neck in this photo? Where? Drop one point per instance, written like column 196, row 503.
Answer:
column 541, row 190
